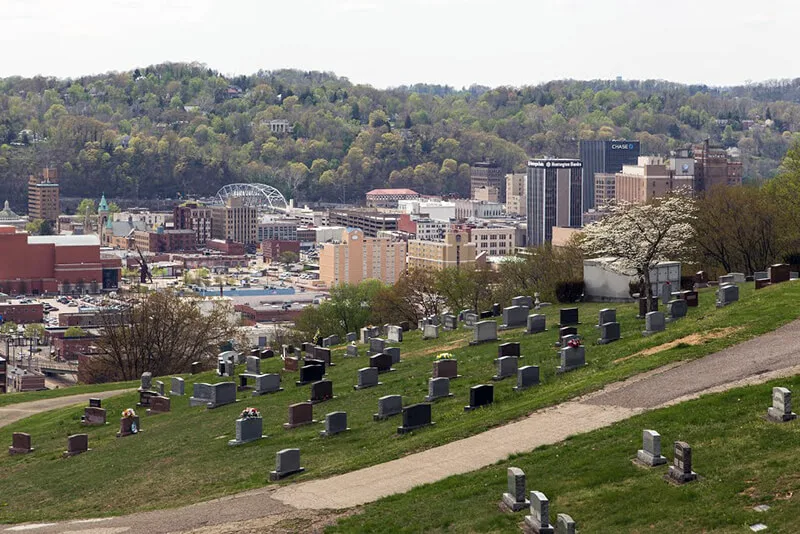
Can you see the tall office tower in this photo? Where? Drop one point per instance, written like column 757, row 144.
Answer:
column 487, row 174
column 554, row 197
column 43, row 198
column 606, row 157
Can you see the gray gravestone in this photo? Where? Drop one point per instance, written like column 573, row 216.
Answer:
column 526, row 377
column 221, row 394
column 77, row 444
column 267, row 383
column 565, row 524
column 607, row 315
column 726, row 295
column 394, row 353
column 351, row 336
column 449, row 322
column 572, row 358
column 367, row 378
column 93, row 416
column 666, row 293
column 515, row 498
column 506, row 367
column 539, row 520
column 147, row 381
column 609, row 332
column 725, row 279
column 515, row 316
column 388, row 406
column 738, row 278
column 761, row 275
column 160, row 387
column 253, row 365
column 364, row 333
column 287, row 462
column 522, row 300
column 248, row 429
column 677, row 309
column 177, row 386
column 781, row 409
column 650, row 453
column 335, row 423
column 536, row 323
column 438, row 388
column 680, row 471
column 376, row 345
column 470, row 319
column 352, row 351
column 654, row 322
column 395, row 334
column 430, row 331
column 485, row 331
column 201, row 394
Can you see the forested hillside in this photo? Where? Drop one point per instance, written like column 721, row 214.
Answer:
column 184, row 129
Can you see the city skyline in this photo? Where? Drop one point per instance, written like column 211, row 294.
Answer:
column 386, row 43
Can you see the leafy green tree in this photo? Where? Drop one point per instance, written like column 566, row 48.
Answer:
column 75, row 331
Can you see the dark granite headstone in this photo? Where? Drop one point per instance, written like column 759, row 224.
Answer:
column 415, row 416
column 480, row 395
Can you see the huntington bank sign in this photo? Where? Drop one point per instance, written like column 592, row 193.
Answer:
column 555, row 164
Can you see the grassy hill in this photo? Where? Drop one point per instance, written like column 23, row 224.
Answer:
column 742, row 461
column 183, row 457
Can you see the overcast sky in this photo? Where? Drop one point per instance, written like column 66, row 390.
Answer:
column 394, row 42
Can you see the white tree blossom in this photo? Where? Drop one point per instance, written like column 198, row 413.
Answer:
column 639, row 236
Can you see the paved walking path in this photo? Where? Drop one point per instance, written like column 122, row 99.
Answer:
column 306, row 506
column 15, row 412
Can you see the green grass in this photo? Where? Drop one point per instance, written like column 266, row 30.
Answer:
column 742, row 460
column 183, row 457
column 15, row 398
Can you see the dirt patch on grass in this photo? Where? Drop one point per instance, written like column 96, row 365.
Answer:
column 312, row 521
column 690, row 340
column 458, row 343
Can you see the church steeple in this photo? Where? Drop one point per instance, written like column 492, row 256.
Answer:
column 103, row 206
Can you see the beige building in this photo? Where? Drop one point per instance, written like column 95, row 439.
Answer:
column 494, row 240
column 487, row 193
column 641, row 183
column 604, row 189
column 455, row 250
column 516, row 192
column 43, row 196
column 234, row 221
column 357, row 258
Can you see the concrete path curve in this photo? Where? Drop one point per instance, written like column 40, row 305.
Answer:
column 14, row 412
column 308, row 506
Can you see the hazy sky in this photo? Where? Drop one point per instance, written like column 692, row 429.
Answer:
column 394, row 42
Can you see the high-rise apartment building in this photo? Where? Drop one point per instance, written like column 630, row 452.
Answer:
column 516, row 189
column 357, row 258
column 43, row 196
column 234, row 221
column 554, row 197
column 194, row 216
column 455, row 250
column 606, row 157
column 487, row 174
column 714, row 167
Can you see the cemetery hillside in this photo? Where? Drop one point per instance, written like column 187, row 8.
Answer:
column 334, row 406
column 746, row 468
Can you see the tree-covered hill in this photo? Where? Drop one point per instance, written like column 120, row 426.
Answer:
column 185, row 129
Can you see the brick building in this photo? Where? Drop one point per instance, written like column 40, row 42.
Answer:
column 53, row 264
column 17, row 312
column 193, row 216
column 43, row 196
column 165, row 240
column 272, row 249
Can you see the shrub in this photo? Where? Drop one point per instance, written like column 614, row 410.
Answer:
column 569, row 291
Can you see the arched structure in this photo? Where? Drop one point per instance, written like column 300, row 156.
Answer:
column 262, row 196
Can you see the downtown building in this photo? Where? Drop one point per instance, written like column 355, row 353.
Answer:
column 607, row 157
column 554, row 197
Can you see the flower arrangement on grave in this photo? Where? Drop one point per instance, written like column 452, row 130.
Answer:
column 574, row 343
column 128, row 413
column 445, row 356
column 250, row 413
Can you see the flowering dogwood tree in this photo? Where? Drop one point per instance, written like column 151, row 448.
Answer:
column 639, row 236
